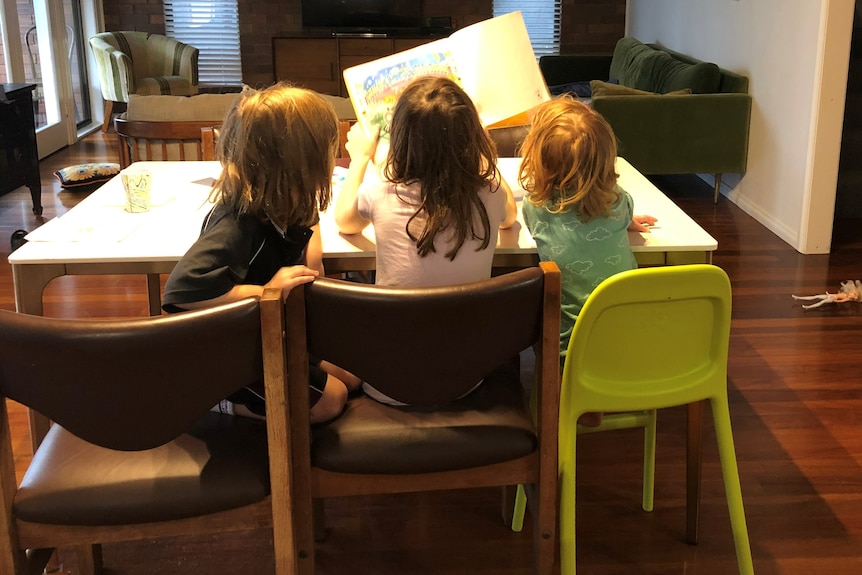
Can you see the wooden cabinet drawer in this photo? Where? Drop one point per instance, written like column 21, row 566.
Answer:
column 371, row 47
column 311, row 63
column 401, row 44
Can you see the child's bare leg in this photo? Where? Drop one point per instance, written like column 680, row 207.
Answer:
column 348, row 379
column 331, row 403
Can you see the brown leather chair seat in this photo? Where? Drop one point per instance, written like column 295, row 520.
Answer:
column 490, row 425
column 220, row 464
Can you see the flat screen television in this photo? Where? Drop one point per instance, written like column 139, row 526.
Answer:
column 362, row 15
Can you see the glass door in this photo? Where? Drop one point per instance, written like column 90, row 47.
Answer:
column 42, row 45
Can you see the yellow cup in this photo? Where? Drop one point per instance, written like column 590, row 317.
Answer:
column 137, row 182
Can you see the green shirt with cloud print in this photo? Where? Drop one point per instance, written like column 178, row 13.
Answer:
column 587, row 253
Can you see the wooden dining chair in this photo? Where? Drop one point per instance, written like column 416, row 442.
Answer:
column 159, row 141
column 427, row 347
column 344, row 127
column 209, row 138
column 133, row 453
column 508, row 139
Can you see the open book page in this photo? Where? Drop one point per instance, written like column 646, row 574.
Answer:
column 498, row 68
column 375, row 86
column 492, row 60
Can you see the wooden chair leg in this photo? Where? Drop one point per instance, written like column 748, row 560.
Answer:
column 106, row 123
column 717, row 188
column 318, row 510
column 154, row 294
column 507, row 504
column 694, row 459
column 88, row 559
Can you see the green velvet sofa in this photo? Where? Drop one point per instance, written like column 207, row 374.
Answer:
column 705, row 131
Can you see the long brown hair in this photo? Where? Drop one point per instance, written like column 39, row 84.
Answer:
column 277, row 148
column 437, row 141
column 569, row 158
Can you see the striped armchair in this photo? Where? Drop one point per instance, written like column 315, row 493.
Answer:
column 143, row 63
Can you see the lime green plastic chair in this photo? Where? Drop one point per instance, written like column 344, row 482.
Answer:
column 648, row 339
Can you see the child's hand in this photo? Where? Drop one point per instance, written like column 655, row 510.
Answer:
column 642, row 223
column 289, row 277
column 362, row 146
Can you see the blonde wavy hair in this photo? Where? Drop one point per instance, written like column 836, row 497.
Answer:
column 277, row 148
column 568, row 160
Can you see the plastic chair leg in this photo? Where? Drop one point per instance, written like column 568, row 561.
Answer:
column 693, row 466
column 649, row 462
column 520, row 509
column 567, row 513
column 732, row 489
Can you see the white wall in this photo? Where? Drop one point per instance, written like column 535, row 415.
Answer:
column 797, row 80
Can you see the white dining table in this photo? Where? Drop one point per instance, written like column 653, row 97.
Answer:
column 98, row 236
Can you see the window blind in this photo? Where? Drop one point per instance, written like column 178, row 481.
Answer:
column 211, row 26
column 542, row 18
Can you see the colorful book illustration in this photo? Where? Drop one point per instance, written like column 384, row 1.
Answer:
column 492, row 60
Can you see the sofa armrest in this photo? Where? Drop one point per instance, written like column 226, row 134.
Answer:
column 565, row 69
column 686, row 134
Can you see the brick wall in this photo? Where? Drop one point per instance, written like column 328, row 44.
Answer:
column 588, row 26
column 592, row 26
column 138, row 15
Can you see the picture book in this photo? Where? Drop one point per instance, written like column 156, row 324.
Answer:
column 492, row 60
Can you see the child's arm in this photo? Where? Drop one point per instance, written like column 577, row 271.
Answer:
column 314, row 251
column 642, row 223
column 285, row 278
column 361, row 149
column 511, row 206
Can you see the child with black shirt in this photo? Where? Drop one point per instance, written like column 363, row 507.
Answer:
column 277, row 148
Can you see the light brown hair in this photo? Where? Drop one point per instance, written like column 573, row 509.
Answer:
column 277, row 148
column 437, row 140
column 569, row 158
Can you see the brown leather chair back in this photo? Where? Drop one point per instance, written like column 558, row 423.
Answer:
column 129, row 384
column 441, row 340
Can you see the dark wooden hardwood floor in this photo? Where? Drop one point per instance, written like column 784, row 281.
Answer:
column 796, row 407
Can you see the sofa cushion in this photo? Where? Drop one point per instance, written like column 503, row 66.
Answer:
column 200, row 108
column 628, row 54
column 599, row 88
column 671, row 75
column 640, row 66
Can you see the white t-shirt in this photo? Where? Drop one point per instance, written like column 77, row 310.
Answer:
column 390, row 206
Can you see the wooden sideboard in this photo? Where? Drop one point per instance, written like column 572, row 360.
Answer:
column 317, row 63
column 19, row 159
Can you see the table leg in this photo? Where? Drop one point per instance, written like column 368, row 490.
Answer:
column 694, row 459
column 29, row 282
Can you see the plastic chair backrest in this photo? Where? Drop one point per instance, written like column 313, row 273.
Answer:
column 649, row 338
